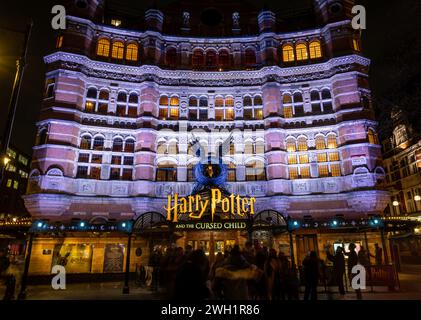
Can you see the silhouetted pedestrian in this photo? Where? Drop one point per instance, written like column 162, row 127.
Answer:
column 311, row 270
column 338, row 268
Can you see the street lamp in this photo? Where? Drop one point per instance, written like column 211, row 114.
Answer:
column 417, row 197
column 395, row 203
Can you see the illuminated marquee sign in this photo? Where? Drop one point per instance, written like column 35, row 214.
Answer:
column 196, row 206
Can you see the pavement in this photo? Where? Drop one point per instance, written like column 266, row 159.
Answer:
column 410, row 289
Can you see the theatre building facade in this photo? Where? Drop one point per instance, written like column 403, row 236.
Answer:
column 268, row 117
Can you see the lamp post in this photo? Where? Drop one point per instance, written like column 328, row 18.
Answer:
column 20, row 68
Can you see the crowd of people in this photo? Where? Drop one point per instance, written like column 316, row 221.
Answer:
column 254, row 273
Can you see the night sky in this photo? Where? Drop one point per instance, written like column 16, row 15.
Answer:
column 392, row 40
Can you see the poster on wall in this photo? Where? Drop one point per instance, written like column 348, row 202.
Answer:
column 76, row 258
column 113, row 258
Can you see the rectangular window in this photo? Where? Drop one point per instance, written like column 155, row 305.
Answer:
column 287, row 111
column 128, row 161
column 321, row 157
column 229, row 114
column 248, row 114
column 203, row 114
column 10, row 167
column 258, row 113
column 121, row 111
column 299, row 111
column 173, row 113
column 23, row 174
column 95, row 173
column 9, row 183
column 96, row 158
column 335, row 170
column 293, row 173
column 82, row 172
column 219, row 114
column 116, row 160
column 305, row 172
column 292, row 159
column 334, row 156
column 23, row 160
column 193, row 114
column 323, row 171
column 115, row 174
column 83, row 157
column 303, row 158
column 59, row 42
column 15, row 185
column 132, row 112
column 163, row 113
column 127, row 174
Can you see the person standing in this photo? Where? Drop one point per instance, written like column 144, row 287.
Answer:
column 352, row 262
column 311, row 270
column 338, row 261
column 378, row 254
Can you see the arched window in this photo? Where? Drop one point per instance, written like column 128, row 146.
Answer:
column 175, row 101
column 174, row 108
column 301, row 51
column 258, row 101
column 372, row 137
column 92, row 93
column 129, row 145
column 171, row 57
column 320, row 143
column 326, row 94
column 291, row 147
column 118, row 50
column 163, row 101
column 192, row 102
column 315, row 49
column 298, row 104
column 103, row 47
column 331, row 141
column 302, row 144
column 99, row 143
column 104, row 95
column 122, row 96
column 247, row 102
column 219, row 102
column 288, row 53
column 203, row 102
column 316, row 107
column 118, row 145
column 250, row 56
column 224, row 58
column 197, row 58
column 133, row 98
column 211, row 58
column 314, row 95
column 132, row 52
column 85, row 142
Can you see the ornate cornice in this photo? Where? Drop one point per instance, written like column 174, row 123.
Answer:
column 117, row 72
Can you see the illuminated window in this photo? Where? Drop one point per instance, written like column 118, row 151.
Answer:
column 174, row 113
column 288, row 112
column 334, row 156
column 116, row 22
column 89, row 106
column 331, row 142
column 301, row 51
column 23, row 160
column 10, row 167
column 323, row 170
column 287, row 99
column 85, row 142
column 320, row 143
column 95, row 173
column 335, row 170
column 118, row 50
column 15, row 185
column 293, row 173
column 258, row 113
column 291, row 145
column 175, row 101
column 9, row 183
column 315, row 49
column 163, row 101
column 302, row 144
column 229, row 113
column 59, row 42
column 305, row 172
column 292, row 159
column 132, row 52
column 372, row 137
column 248, row 147
column 103, row 47
column 303, row 158
column 229, row 101
column 255, row 171
column 219, row 114
column 288, row 53
column 231, row 172
column 321, row 157
column 219, row 102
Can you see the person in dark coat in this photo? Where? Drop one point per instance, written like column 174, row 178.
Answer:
column 378, row 254
column 338, row 261
column 311, row 270
column 353, row 261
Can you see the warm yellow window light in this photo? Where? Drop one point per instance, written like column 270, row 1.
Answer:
column 320, row 143
column 293, row 173
column 59, row 42
column 335, row 169
column 229, row 113
column 163, row 101
column 288, row 53
column 305, row 172
column 175, row 101
column 323, row 170
column 315, row 49
column 118, row 50
column 372, row 138
column 334, row 156
column 301, row 51
column 103, row 48
column 321, row 157
column 292, row 159
column 331, row 142
column 132, row 52
column 302, row 144
column 291, row 146
column 287, row 111
column 303, row 158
